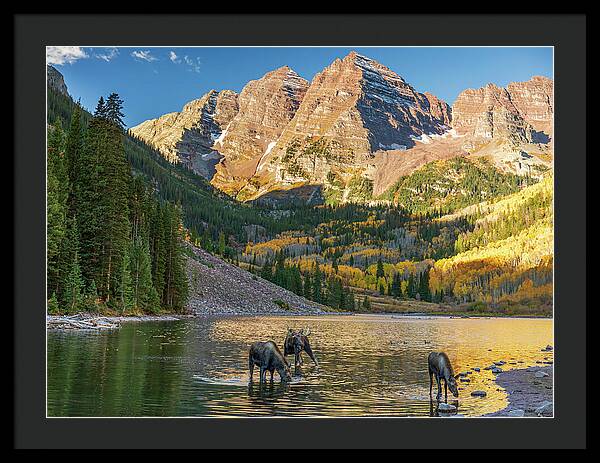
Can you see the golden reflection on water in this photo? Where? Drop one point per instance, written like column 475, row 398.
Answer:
column 377, row 365
column 369, row 365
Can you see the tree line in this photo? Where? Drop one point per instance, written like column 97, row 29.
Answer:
column 111, row 243
column 313, row 283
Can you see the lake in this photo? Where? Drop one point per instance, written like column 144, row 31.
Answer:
column 369, row 365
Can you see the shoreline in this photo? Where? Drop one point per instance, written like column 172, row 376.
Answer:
column 528, row 395
column 92, row 321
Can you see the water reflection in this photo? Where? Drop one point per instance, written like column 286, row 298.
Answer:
column 368, row 365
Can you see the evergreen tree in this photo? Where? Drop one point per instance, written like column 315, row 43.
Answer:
column 221, row 248
column 144, row 295
column 100, row 111
column 176, row 288
column 102, row 206
column 53, row 306
column 73, row 154
column 424, row 286
column 380, row 272
column 308, row 290
column 317, row 292
column 124, row 300
column 396, row 289
column 266, row 271
column 113, row 110
column 91, row 298
column 366, row 304
column 73, row 294
column 56, row 207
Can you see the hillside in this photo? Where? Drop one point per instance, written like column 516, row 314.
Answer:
column 217, row 287
column 451, row 184
column 506, row 260
column 437, row 224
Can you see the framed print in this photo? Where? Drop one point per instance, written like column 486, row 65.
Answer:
column 271, row 234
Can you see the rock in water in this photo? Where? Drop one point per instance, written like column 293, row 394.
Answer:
column 541, row 374
column 517, row 412
column 446, row 408
column 545, row 409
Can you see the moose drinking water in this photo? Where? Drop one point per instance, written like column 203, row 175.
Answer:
column 269, row 358
column 295, row 342
column 439, row 365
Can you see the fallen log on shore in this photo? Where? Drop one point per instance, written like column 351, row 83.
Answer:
column 80, row 322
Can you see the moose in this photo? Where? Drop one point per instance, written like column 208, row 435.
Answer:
column 269, row 358
column 295, row 342
column 439, row 365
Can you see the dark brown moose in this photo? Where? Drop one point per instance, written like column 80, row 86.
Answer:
column 295, row 342
column 439, row 365
column 269, row 358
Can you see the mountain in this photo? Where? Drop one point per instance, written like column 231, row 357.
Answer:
column 352, row 108
column 453, row 183
column 356, row 123
column 188, row 136
column 56, row 81
column 512, row 126
column 266, row 106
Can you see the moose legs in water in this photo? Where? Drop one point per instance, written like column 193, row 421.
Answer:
column 439, row 365
column 269, row 358
column 295, row 342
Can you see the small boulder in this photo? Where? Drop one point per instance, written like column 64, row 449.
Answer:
column 541, row 374
column 478, row 393
column 446, row 408
column 545, row 409
column 516, row 412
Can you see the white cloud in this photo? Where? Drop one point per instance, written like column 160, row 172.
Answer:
column 173, row 57
column 194, row 64
column 108, row 55
column 144, row 55
column 64, row 55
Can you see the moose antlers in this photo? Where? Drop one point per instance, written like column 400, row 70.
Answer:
column 305, row 331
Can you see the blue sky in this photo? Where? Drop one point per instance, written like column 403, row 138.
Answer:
column 154, row 81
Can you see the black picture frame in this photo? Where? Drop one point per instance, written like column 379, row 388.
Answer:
column 567, row 33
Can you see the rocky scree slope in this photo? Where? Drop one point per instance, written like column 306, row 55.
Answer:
column 217, row 287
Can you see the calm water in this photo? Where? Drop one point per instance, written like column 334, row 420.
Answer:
column 372, row 365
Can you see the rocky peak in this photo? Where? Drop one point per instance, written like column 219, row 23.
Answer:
column 534, row 100
column 489, row 113
column 188, row 136
column 520, row 113
column 266, row 106
column 56, row 80
column 352, row 108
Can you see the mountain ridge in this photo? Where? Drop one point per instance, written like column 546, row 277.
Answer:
column 355, row 119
